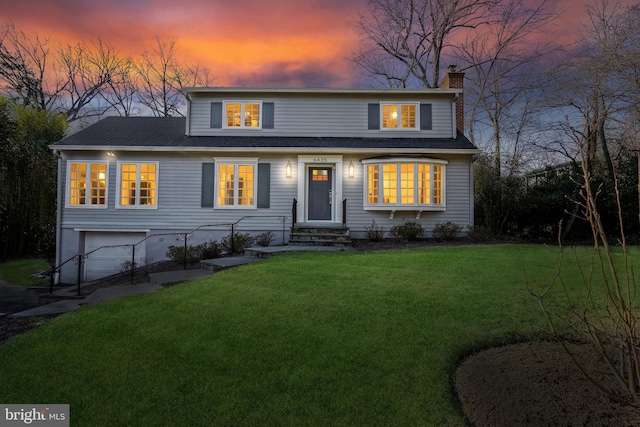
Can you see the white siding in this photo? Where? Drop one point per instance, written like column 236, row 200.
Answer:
column 323, row 116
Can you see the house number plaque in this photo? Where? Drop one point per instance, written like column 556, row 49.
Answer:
column 319, row 160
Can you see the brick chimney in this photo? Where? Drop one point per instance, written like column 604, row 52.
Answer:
column 455, row 80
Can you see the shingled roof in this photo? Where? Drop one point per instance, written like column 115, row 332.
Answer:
column 169, row 132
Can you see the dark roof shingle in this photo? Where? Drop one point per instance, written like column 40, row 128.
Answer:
column 170, row 132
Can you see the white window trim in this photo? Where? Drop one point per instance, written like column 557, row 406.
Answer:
column 398, row 127
column 88, row 178
column 236, row 161
column 399, row 206
column 242, row 111
column 119, row 183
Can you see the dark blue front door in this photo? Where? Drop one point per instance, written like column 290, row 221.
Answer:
column 320, row 193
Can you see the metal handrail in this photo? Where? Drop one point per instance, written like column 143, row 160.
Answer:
column 81, row 257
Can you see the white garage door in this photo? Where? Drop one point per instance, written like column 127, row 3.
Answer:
column 110, row 258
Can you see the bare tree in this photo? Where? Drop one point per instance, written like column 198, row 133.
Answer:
column 405, row 40
column 60, row 79
column 501, row 78
column 162, row 77
column 88, row 71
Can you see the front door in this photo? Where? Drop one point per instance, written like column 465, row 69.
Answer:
column 320, row 193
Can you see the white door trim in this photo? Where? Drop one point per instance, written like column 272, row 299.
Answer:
column 307, row 161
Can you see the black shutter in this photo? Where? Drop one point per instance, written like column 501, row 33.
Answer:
column 216, row 115
column 264, row 184
column 208, row 182
column 267, row 115
column 374, row 116
column 425, row 117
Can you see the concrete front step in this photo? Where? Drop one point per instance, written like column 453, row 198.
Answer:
column 320, row 235
column 218, row 264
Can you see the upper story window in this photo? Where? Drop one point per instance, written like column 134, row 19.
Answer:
column 403, row 116
column 87, row 184
column 236, row 182
column 400, row 116
column 242, row 114
column 404, row 184
column 138, row 184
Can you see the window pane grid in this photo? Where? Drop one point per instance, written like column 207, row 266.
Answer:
column 245, row 185
column 408, row 116
column 252, row 115
column 234, row 112
column 437, row 184
column 390, row 183
column 407, row 184
column 98, row 184
column 225, row 185
column 424, row 184
column 372, row 183
column 77, row 184
column 389, row 116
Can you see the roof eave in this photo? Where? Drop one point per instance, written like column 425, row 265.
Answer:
column 296, row 150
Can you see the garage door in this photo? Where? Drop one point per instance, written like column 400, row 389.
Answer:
column 109, row 258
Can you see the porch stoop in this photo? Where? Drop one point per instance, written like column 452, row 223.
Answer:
column 320, row 235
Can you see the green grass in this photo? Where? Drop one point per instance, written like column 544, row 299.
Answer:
column 19, row 272
column 300, row 339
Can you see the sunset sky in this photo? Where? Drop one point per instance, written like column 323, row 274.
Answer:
column 258, row 43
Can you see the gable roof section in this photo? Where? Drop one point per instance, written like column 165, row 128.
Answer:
column 168, row 134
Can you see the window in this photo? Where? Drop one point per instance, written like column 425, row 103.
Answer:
column 400, row 116
column 236, row 183
column 404, row 184
column 242, row 114
column 87, row 184
column 138, row 185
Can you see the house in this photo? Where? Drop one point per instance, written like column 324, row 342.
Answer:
column 264, row 160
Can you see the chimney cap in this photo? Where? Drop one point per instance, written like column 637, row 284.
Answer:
column 452, row 68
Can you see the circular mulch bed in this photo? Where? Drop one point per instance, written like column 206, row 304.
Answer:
column 537, row 384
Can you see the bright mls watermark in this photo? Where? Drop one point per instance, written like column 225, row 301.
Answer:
column 34, row 415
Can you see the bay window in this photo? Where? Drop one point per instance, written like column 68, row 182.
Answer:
column 87, row 184
column 404, row 184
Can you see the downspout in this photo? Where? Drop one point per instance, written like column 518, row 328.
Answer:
column 58, row 258
column 454, row 116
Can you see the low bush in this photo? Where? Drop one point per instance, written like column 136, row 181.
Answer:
column 236, row 242
column 408, row 230
column 446, row 231
column 177, row 255
column 375, row 232
column 210, row 250
column 264, row 239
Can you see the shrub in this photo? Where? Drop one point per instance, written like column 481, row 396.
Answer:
column 375, row 232
column 210, row 250
column 478, row 233
column 408, row 230
column 236, row 242
column 176, row 253
column 264, row 239
column 446, row 231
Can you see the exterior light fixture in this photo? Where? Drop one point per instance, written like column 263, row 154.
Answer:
column 111, row 153
column 287, row 169
column 352, row 170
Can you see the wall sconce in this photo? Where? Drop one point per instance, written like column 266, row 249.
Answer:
column 352, row 170
column 287, row 169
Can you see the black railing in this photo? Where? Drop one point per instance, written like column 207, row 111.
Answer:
column 294, row 213
column 80, row 258
column 344, row 213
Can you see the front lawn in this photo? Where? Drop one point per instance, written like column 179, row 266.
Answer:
column 363, row 338
column 19, row 272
